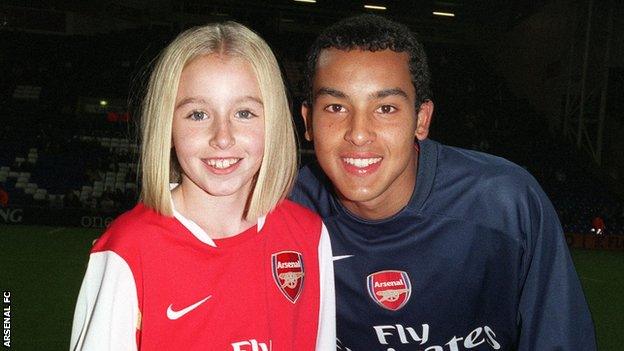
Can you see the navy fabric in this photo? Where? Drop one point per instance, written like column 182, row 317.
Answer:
column 484, row 253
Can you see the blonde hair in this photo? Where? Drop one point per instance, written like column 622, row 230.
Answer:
column 158, row 162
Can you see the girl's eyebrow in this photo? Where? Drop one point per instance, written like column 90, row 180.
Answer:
column 200, row 100
column 190, row 100
column 250, row 98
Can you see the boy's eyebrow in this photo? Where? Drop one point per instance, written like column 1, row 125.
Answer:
column 389, row 92
column 375, row 95
column 331, row 92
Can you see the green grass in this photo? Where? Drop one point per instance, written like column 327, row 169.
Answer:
column 43, row 269
column 602, row 276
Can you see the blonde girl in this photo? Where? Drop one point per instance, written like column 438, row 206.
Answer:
column 220, row 260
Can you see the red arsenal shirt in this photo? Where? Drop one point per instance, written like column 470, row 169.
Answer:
column 161, row 283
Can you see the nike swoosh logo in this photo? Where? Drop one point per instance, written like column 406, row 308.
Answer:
column 336, row 258
column 173, row 315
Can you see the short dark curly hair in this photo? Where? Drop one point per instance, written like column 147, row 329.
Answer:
column 372, row 33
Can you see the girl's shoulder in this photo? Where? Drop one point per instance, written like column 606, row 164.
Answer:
column 303, row 214
column 132, row 229
column 297, row 219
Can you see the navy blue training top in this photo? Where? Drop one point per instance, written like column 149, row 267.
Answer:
column 477, row 260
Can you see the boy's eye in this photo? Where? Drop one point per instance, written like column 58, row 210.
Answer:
column 335, row 108
column 245, row 114
column 386, row 109
column 198, row 115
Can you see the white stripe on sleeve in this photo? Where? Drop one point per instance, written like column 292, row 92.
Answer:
column 107, row 310
column 326, row 337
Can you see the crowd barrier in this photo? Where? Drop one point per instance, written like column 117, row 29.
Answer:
column 68, row 217
column 78, row 217
column 594, row 242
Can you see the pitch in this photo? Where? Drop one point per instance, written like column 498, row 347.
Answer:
column 43, row 267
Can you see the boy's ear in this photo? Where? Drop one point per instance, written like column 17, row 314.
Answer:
column 306, row 112
column 424, row 120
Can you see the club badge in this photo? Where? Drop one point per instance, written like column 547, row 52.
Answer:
column 288, row 273
column 389, row 289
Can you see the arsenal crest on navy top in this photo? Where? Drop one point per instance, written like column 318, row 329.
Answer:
column 389, row 289
column 288, row 273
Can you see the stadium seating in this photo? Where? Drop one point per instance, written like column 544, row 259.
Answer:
column 56, row 155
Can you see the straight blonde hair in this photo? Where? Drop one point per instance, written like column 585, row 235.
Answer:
column 158, row 162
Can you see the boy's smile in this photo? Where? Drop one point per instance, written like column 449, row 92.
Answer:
column 364, row 122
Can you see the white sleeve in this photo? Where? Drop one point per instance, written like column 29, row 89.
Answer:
column 326, row 337
column 107, row 311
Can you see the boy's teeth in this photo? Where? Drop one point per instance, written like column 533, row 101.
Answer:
column 361, row 162
column 223, row 163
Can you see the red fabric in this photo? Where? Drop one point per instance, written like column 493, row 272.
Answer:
column 4, row 198
column 112, row 117
column 598, row 223
column 171, row 267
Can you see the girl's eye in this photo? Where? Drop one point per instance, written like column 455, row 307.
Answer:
column 198, row 115
column 245, row 114
column 386, row 109
column 335, row 108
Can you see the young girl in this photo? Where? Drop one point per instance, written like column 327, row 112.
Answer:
column 222, row 261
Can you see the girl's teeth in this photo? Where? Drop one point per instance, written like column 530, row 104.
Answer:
column 223, row 163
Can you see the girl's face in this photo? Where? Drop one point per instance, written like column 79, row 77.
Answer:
column 218, row 126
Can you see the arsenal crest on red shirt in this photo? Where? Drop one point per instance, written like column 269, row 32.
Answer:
column 389, row 289
column 288, row 273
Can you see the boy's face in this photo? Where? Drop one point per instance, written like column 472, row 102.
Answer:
column 363, row 122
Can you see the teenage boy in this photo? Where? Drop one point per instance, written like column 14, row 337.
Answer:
column 435, row 247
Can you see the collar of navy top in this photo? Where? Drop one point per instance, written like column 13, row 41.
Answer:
column 427, row 166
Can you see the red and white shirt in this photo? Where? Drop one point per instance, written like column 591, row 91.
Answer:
column 161, row 283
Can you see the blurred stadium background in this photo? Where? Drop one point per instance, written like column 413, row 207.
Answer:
column 538, row 82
